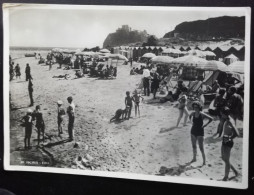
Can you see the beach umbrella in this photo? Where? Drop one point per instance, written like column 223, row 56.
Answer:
column 104, row 51
column 212, row 65
column 236, row 67
column 148, row 55
column 162, row 59
column 118, row 57
column 189, row 60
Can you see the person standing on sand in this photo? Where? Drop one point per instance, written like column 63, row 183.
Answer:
column 60, row 114
column 136, row 99
column 28, row 124
column 30, row 91
column 182, row 106
column 197, row 130
column 40, row 125
column 70, row 112
column 17, row 70
column 28, row 72
column 229, row 133
column 128, row 103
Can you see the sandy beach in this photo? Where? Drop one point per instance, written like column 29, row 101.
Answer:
column 147, row 145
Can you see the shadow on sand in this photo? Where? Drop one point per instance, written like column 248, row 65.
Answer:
column 164, row 130
column 13, row 109
column 212, row 140
column 57, row 143
column 177, row 170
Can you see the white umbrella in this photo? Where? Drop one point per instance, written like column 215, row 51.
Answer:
column 118, row 57
column 189, row 60
column 236, row 67
column 162, row 59
column 213, row 65
column 104, row 51
column 148, row 55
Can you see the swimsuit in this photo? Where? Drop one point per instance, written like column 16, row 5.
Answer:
column 226, row 141
column 197, row 127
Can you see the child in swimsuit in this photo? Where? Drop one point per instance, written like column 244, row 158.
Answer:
column 229, row 133
column 182, row 109
column 136, row 99
column 197, row 130
column 128, row 103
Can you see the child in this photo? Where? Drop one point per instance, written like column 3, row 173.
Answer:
column 182, row 106
column 128, row 103
column 229, row 133
column 28, row 123
column 118, row 114
column 60, row 114
column 136, row 99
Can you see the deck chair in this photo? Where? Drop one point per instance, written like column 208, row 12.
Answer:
column 194, row 89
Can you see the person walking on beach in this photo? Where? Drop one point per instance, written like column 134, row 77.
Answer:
column 197, row 130
column 155, row 84
column 28, row 72
column 128, row 103
column 70, row 112
column 28, row 124
column 60, row 115
column 40, row 125
column 30, row 91
column 229, row 133
column 136, row 99
column 17, row 70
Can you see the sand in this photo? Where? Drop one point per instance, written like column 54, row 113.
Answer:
column 146, row 145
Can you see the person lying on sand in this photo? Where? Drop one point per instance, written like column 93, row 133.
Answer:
column 120, row 113
column 66, row 76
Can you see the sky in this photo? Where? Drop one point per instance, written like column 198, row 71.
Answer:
column 89, row 27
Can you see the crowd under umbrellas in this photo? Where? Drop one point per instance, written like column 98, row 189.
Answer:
column 158, row 71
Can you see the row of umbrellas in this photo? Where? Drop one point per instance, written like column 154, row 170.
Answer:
column 104, row 53
column 197, row 62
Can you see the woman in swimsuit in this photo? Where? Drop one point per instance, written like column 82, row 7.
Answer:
column 229, row 133
column 197, row 130
column 182, row 106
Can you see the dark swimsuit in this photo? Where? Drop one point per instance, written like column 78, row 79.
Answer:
column 197, row 127
column 226, row 141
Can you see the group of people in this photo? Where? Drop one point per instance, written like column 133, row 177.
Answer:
column 37, row 116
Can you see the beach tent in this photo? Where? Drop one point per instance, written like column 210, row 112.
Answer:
column 230, row 59
column 197, row 52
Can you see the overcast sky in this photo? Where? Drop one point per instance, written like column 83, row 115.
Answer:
column 88, row 28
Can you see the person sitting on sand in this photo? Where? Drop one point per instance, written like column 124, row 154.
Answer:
column 136, row 99
column 60, row 115
column 229, row 133
column 128, row 103
column 120, row 113
column 182, row 106
column 78, row 74
column 197, row 130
